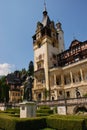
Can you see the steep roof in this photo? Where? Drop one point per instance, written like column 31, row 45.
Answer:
column 46, row 20
column 74, row 43
column 13, row 79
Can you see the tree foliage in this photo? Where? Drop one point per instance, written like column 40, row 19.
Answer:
column 23, row 74
column 4, row 90
column 31, row 69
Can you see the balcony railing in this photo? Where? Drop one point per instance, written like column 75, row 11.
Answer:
column 63, row 102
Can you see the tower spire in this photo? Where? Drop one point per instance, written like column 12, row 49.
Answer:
column 46, row 19
column 45, row 6
column 45, row 9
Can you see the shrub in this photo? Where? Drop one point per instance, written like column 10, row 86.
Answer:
column 85, row 124
column 42, row 114
column 44, row 111
column 48, row 129
column 10, row 123
column 56, row 122
column 7, row 124
column 31, row 124
column 44, row 107
column 65, row 124
column 13, row 111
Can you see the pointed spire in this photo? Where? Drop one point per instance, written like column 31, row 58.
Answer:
column 45, row 10
column 46, row 20
column 45, row 6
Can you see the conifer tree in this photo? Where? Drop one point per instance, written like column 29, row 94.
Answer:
column 31, row 69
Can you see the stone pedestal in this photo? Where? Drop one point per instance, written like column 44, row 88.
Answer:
column 61, row 110
column 27, row 109
column 3, row 107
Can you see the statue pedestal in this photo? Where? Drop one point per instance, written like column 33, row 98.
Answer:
column 27, row 109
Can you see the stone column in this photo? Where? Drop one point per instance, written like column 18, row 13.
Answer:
column 42, row 95
column 71, row 77
column 81, row 74
column 62, row 80
column 56, row 95
column 54, row 79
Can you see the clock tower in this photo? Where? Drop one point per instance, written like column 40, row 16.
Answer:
column 47, row 43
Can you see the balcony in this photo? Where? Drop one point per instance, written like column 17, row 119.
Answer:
column 40, row 74
column 39, row 86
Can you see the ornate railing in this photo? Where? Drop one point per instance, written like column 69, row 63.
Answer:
column 63, row 102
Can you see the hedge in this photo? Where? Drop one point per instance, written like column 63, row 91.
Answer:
column 7, row 124
column 42, row 114
column 13, row 111
column 44, row 107
column 65, row 124
column 10, row 123
column 55, row 122
column 47, row 129
column 44, row 111
column 31, row 124
column 86, row 122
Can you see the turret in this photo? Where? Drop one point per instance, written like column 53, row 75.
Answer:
column 60, row 37
column 46, row 44
column 46, row 19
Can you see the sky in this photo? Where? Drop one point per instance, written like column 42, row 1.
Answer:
column 18, row 20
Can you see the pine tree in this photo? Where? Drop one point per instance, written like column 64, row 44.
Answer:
column 31, row 69
column 4, row 90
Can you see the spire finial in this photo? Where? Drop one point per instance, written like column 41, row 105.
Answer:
column 45, row 6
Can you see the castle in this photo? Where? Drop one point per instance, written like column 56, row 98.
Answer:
column 58, row 73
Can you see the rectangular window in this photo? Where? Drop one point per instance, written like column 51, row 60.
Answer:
column 68, row 94
column 39, row 65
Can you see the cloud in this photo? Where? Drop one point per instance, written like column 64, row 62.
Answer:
column 6, row 68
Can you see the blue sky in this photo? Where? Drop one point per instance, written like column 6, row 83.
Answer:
column 18, row 19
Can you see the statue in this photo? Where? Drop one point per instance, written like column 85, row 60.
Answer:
column 28, row 88
column 77, row 93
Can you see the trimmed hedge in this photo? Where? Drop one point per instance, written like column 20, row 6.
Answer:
column 31, row 124
column 66, row 124
column 56, row 122
column 44, row 107
column 47, row 129
column 13, row 111
column 10, row 123
column 86, row 123
column 42, row 114
column 7, row 124
column 44, row 111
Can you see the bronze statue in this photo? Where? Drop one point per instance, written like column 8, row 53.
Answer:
column 28, row 88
